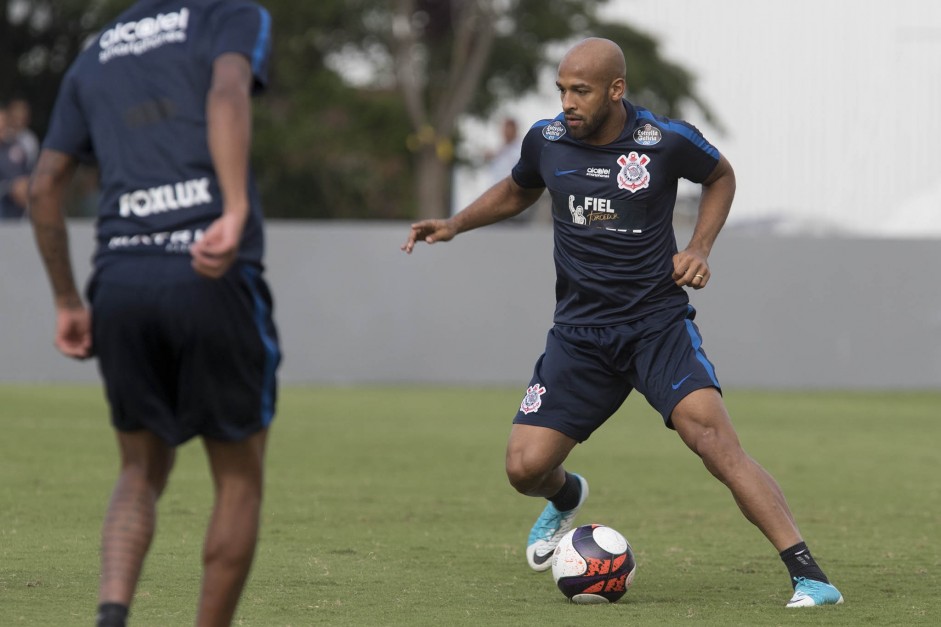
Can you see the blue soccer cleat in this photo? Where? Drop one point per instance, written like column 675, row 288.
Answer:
column 810, row 593
column 549, row 529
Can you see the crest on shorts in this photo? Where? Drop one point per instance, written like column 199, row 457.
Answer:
column 633, row 175
column 533, row 399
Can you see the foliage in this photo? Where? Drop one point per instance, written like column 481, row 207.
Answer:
column 362, row 114
column 39, row 40
column 323, row 147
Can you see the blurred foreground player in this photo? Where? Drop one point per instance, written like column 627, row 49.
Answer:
column 180, row 316
column 623, row 320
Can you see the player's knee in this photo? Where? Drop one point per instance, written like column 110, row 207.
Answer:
column 721, row 453
column 524, row 475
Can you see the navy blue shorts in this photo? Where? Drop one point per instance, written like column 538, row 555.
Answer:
column 182, row 355
column 586, row 373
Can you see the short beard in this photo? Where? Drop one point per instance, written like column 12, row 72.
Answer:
column 589, row 127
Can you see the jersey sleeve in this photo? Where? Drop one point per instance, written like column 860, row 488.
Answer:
column 698, row 158
column 526, row 171
column 68, row 128
column 244, row 28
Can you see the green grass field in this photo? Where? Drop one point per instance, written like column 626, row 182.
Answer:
column 388, row 506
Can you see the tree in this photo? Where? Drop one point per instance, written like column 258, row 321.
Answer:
column 326, row 147
column 450, row 58
column 39, row 40
column 366, row 96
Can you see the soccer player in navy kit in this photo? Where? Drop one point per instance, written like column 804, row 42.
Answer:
column 623, row 320
column 180, row 315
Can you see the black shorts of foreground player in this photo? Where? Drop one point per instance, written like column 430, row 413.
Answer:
column 623, row 320
column 180, row 317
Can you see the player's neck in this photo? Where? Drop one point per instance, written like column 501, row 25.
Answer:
column 611, row 129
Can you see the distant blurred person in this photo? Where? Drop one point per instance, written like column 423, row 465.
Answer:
column 14, row 172
column 180, row 316
column 20, row 116
column 500, row 163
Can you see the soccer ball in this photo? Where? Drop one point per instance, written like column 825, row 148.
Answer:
column 593, row 564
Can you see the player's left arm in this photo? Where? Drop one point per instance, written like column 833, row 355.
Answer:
column 47, row 188
column 690, row 266
column 229, row 119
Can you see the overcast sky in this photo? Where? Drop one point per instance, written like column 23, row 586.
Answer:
column 832, row 107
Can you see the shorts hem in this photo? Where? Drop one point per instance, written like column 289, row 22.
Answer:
column 667, row 415
column 578, row 437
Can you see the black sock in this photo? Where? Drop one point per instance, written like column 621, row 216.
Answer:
column 567, row 498
column 800, row 563
column 111, row 615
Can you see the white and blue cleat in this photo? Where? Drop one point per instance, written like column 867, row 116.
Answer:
column 551, row 525
column 811, row 593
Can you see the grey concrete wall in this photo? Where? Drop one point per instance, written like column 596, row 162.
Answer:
column 352, row 308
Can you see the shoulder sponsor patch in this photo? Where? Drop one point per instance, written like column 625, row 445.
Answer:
column 554, row 132
column 647, row 135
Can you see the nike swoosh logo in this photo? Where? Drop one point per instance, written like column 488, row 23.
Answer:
column 677, row 385
column 559, row 172
column 542, row 559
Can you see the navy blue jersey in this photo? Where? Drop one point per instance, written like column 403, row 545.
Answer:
column 612, row 210
column 135, row 100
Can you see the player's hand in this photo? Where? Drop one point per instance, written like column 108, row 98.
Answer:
column 429, row 231
column 215, row 253
column 690, row 269
column 73, row 332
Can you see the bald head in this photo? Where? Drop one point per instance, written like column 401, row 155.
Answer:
column 595, row 59
column 591, row 83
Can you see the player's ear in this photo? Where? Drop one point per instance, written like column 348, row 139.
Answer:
column 618, row 89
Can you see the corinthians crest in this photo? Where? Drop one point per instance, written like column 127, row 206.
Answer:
column 633, row 175
column 533, row 399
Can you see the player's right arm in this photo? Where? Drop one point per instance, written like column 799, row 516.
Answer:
column 46, row 190
column 504, row 200
column 229, row 114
